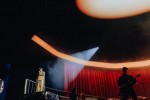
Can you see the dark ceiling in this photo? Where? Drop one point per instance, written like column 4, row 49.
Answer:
column 62, row 25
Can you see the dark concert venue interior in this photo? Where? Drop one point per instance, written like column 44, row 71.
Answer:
column 50, row 47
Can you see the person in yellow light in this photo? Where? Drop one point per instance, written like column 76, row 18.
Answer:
column 40, row 83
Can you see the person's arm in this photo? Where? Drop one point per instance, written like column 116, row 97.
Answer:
column 134, row 80
column 119, row 82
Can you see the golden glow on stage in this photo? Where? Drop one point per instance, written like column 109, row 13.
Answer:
column 109, row 9
column 53, row 51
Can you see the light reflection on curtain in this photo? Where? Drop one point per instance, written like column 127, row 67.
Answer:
column 103, row 82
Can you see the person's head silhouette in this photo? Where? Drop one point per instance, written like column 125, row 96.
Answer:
column 124, row 69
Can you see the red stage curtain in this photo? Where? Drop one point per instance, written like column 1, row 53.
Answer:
column 103, row 82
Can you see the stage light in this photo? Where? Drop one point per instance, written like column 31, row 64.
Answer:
column 109, row 9
column 55, row 73
column 55, row 68
column 89, row 63
column 85, row 55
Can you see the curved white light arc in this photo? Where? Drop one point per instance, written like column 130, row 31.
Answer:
column 88, row 63
column 109, row 9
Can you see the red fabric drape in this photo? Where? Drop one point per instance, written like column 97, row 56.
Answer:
column 103, row 82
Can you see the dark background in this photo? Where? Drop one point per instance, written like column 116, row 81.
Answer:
column 61, row 24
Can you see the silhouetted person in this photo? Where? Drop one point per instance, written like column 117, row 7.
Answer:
column 1, row 85
column 125, row 83
column 73, row 94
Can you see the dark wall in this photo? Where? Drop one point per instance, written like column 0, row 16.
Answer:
column 18, row 74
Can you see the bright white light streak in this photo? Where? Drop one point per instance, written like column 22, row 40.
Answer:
column 109, row 9
column 86, row 55
column 55, row 73
column 89, row 63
